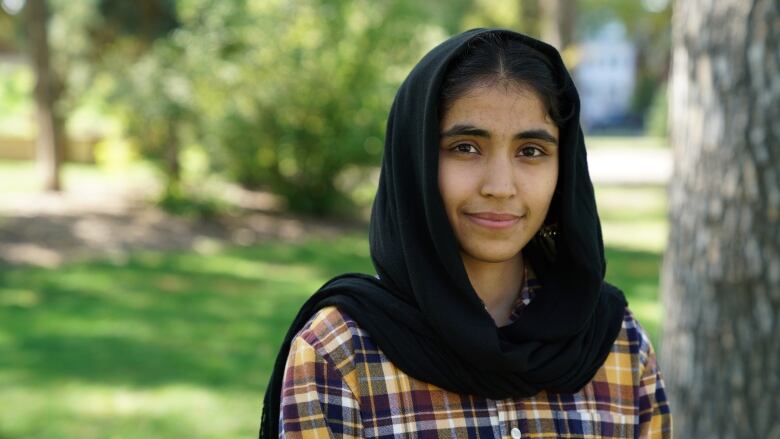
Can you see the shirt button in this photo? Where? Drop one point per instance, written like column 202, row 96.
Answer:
column 516, row 433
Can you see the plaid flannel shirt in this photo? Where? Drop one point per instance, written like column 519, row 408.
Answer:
column 338, row 383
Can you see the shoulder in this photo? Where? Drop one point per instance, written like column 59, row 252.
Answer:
column 637, row 336
column 330, row 331
column 632, row 347
column 334, row 338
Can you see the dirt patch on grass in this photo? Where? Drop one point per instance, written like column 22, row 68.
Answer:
column 51, row 229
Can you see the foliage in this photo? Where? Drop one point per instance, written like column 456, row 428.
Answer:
column 15, row 99
column 282, row 96
column 311, row 95
column 145, row 20
column 638, row 21
column 287, row 96
column 196, row 206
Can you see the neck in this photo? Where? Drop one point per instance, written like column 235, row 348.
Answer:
column 497, row 284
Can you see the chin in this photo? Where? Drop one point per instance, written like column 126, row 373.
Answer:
column 493, row 255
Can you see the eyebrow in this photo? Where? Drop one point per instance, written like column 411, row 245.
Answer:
column 470, row 130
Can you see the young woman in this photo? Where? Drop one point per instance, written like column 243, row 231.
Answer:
column 489, row 316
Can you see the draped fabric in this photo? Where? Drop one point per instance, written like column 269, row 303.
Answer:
column 421, row 309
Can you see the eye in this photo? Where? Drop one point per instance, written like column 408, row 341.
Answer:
column 531, row 151
column 465, row 148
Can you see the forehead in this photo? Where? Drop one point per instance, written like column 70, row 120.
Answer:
column 500, row 105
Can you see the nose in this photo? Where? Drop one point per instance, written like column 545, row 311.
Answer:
column 498, row 179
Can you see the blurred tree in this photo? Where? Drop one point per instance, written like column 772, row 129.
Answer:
column 721, row 279
column 558, row 20
column 10, row 38
column 494, row 13
column 531, row 18
column 47, row 92
column 80, row 42
column 141, row 20
column 287, row 96
column 126, row 37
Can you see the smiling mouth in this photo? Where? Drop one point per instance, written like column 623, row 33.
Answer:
column 494, row 220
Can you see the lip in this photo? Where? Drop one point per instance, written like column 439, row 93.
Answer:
column 494, row 220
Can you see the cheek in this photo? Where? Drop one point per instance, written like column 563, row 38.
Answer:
column 548, row 187
column 552, row 182
column 453, row 185
column 539, row 187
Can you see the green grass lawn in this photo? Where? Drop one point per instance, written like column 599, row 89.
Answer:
column 162, row 345
column 180, row 344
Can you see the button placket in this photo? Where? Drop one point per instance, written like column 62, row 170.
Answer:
column 503, row 406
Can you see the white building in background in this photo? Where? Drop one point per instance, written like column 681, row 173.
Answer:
column 605, row 76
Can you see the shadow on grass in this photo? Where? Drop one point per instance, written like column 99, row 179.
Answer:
column 164, row 318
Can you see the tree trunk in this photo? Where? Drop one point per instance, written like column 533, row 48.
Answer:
column 50, row 125
column 530, row 17
column 721, row 278
column 557, row 22
column 172, row 165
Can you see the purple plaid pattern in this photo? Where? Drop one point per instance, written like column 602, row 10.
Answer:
column 338, row 383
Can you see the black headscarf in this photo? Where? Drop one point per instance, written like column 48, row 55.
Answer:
column 423, row 312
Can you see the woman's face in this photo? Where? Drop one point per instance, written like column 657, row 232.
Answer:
column 498, row 167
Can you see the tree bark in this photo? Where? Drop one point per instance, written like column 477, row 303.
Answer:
column 50, row 149
column 172, row 164
column 557, row 22
column 721, row 276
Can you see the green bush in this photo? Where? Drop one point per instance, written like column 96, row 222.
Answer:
column 177, row 202
column 308, row 101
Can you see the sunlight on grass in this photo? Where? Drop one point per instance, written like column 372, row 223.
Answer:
column 18, row 176
column 634, row 217
column 22, row 176
column 631, row 203
column 111, row 411
column 644, row 235
column 604, row 142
